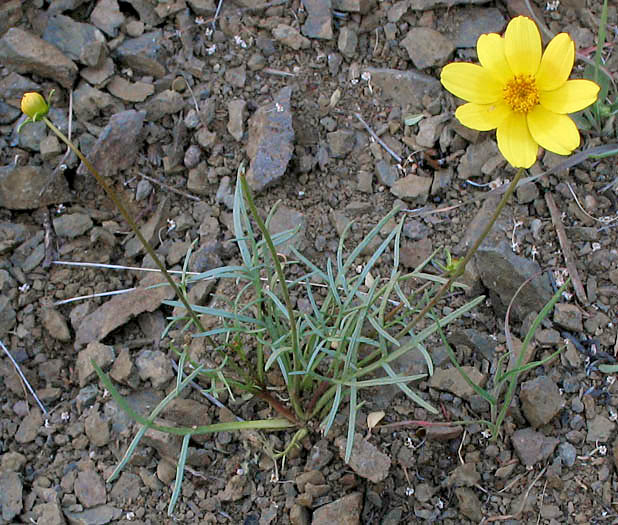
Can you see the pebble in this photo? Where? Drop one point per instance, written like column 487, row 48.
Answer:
column 319, row 22
column 599, row 429
column 102, row 355
column 366, row 460
column 290, row 37
column 541, row 400
column 90, row 489
column 237, row 110
column 154, row 366
column 567, row 453
column 412, row 188
column 56, row 325
column 144, row 54
column 427, row 47
column 83, row 43
column 341, row 143
column 29, row 427
column 347, row 42
column 345, row 510
column 569, row 317
column 72, row 225
column 532, row 446
column 129, row 91
column 107, row 17
column 11, row 489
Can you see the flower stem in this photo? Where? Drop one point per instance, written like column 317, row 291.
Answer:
column 127, row 217
column 461, row 266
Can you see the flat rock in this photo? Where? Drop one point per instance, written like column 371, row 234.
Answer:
column 271, row 141
column 404, row 87
column 450, row 380
column 475, row 157
column 469, row 504
column 354, row 6
column 366, row 459
column 21, row 186
column 97, row 429
column 569, row 317
column 102, row 355
column 154, row 365
column 149, row 230
column 89, row 102
column 429, row 130
column 290, row 37
column 11, row 489
column 600, row 429
column 83, row 43
column 100, row 515
column 117, row 145
column 99, row 75
column 55, row 324
column 427, row 47
column 471, row 22
column 118, row 310
column 26, row 53
column 289, row 219
column 107, row 17
column 237, row 111
column 412, row 188
column 72, row 225
column 144, row 55
column 202, row 7
column 90, row 489
column 540, row 400
column 532, row 447
column 29, row 427
column 319, row 21
column 10, row 14
column 341, row 143
column 167, row 102
column 129, row 91
column 503, row 272
column 424, row 5
column 344, row 511
column 475, row 340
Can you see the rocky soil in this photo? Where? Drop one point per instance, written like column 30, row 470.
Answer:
column 167, row 99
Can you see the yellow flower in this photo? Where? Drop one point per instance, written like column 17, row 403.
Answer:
column 524, row 95
column 34, row 105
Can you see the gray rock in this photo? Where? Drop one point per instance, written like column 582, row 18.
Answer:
column 429, row 130
column 83, row 43
column 56, row 324
column 475, row 340
column 90, row 489
column 289, row 219
column 541, row 400
column 319, row 456
column 29, row 427
column 149, row 230
column 12, row 462
column 569, row 317
column 72, row 225
column 345, row 511
column 532, row 446
column 470, row 23
column 475, row 157
column 99, row 515
column 97, row 429
column 237, row 110
column 225, row 193
column 31, row 135
column 469, row 504
column 10, row 14
column 25, row 53
column 143, row 190
column 341, row 143
column 404, row 87
column 347, row 42
column 503, row 272
column 107, row 17
column 167, row 102
column 319, row 21
column 415, row 229
column 387, row 175
column 8, row 114
column 21, row 186
column 130, row 91
column 118, row 310
column 425, row 5
column 50, row 147
column 127, row 488
column 102, row 355
column 206, row 138
column 290, row 37
column 99, row 75
column 527, row 193
column 154, row 366
column 144, row 55
column 13, row 86
column 427, row 47
column 11, row 490
column 8, row 317
column 354, row 6
column 271, row 139
column 567, row 453
column 299, row 515
column 412, row 188
column 450, row 380
column 236, row 76
column 366, row 460
column 599, row 429
column 202, row 7
column 117, row 145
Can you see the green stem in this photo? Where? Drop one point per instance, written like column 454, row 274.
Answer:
column 127, row 217
column 284, row 290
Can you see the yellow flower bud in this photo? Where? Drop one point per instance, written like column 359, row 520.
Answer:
column 34, row 105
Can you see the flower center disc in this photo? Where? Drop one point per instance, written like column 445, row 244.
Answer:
column 521, row 94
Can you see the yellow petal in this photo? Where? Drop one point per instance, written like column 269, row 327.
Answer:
column 490, row 50
column 556, row 63
column 515, row 141
column 482, row 117
column 554, row 132
column 471, row 82
column 522, row 46
column 572, row 96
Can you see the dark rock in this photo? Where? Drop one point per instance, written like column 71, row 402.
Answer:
column 107, row 17
column 144, row 55
column 90, row 489
column 11, row 490
column 532, row 446
column 271, row 138
column 319, row 22
column 341, row 143
column 344, row 511
column 470, row 23
column 569, row 317
column 541, row 400
column 118, row 145
column 26, row 53
column 20, row 188
column 83, row 43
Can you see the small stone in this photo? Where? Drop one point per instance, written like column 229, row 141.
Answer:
column 366, row 460
column 144, row 54
column 129, row 91
column 344, row 511
column 154, row 366
column 290, row 37
column 319, row 456
column 11, row 489
column 451, row 380
column 599, row 429
column 567, row 453
column 569, row 317
column 386, row 174
column 102, row 355
column 206, row 138
column 143, row 190
column 341, row 143
column 29, row 427
column 107, row 17
column 90, row 489
column 100, row 74
column 532, row 446
column 541, row 400
column 56, row 325
column 97, row 429
column 348, row 40
column 83, row 43
column 12, row 462
column 429, row 130
column 469, row 504
column 412, row 188
column 50, row 147
column 236, row 76
column 427, row 48
column 527, row 193
column 299, row 515
column 319, row 23
column 237, row 110
column 72, row 225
